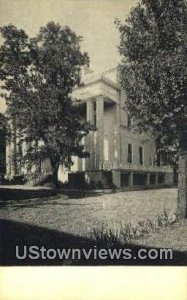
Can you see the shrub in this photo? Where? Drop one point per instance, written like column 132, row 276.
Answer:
column 19, row 179
column 99, row 185
column 114, row 237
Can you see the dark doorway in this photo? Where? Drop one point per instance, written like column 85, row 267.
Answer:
column 161, row 178
column 139, row 179
column 152, row 179
column 124, row 179
column 76, row 180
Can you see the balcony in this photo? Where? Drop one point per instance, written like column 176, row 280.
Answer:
column 108, row 166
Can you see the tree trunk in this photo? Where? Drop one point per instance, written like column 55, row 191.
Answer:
column 55, row 174
column 182, row 186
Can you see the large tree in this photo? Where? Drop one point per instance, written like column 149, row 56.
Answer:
column 153, row 46
column 3, row 138
column 39, row 75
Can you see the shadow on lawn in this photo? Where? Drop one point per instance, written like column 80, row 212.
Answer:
column 14, row 234
column 19, row 205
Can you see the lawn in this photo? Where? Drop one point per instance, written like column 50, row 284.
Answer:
column 82, row 216
column 85, row 223
column 174, row 237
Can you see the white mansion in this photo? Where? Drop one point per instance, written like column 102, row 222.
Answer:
column 117, row 155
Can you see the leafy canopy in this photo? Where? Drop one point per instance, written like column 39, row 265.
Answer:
column 153, row 46
column 39, row 75
column 3, row 137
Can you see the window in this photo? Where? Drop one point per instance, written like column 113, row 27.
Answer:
column 158, row 159
column 20, row 150
column 129, row 121
column 129, row 156
column 141, row 155
column 94, row 114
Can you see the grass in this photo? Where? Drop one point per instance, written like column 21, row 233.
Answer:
column 174, row 237
column 126, row 219
column 83, row 216
column 111, row 237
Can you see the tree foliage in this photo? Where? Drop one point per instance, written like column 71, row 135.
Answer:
column 3, row 138
column 153, row 46
column 38, row 76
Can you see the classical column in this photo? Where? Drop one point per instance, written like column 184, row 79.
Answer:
column 13, row 149
column 169, row 178
column 8, row 159
column 88, row 139
column 156, row 178
column 89, row 111
column 100, row 129
column 130, row 183
column 116, row 178
column 118, row 120
column 148, row 179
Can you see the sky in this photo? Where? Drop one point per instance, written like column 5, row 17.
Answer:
column 92, row 19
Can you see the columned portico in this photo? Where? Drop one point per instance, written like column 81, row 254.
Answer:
column 111, row 145
column 95, row 139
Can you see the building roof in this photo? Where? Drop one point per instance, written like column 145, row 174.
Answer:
column 110, row 77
